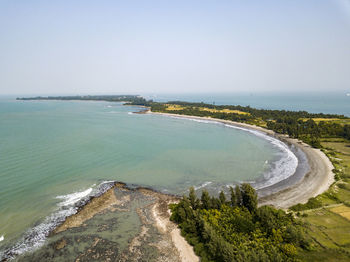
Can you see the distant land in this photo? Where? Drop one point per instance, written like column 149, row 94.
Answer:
column 109, row 98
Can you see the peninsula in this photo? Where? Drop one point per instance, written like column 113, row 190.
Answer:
column 324, row 138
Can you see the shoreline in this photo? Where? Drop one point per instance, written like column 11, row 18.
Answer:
column 314, row 182
column 157, row 213
column 155, row 228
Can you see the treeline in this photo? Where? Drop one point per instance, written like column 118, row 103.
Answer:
column 309, row 131
column 236, row 229
column 265, row 114
column 194, row 111
column 292, row 123
column 109, row 98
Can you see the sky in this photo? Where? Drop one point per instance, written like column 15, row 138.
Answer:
column 111, row 47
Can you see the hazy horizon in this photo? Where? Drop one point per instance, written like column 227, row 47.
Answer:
column 158, row 47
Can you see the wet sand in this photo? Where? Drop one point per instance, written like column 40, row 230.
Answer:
column 314, row 182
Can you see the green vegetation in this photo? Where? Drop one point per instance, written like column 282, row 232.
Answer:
column 236, row 229
column 338, row 151
column 308, row 127
column 112, row 98
column 327, row 216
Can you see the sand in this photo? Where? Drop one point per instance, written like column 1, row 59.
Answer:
column 313, row 183
column 316, row 181
column 162, row 218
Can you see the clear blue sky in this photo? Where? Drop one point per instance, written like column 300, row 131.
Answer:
column 62, row 47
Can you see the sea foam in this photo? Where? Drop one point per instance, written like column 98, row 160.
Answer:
column 280, row 169
column 205, row 184
column 36, row 236
column 73, row 198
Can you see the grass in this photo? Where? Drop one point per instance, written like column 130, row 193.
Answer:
column 342, row 210
column 174, row 107
column 227, row 111
column 333, row 120
column 329, row 226
column 330, row 233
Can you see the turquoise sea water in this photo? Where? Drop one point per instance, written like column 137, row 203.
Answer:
column 54, row 153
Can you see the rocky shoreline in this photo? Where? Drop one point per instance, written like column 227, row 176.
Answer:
column 95, row 231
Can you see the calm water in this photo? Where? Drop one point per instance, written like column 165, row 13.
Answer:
column 53, row 153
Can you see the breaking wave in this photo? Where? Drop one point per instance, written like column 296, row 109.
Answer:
column 36, row 236
column 278, row 170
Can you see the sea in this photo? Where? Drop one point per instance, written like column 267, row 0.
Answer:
column 54, row 155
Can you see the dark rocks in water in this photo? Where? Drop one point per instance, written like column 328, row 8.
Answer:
column 123, row 230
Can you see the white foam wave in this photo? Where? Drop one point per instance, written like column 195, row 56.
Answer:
column 2, row 238
column 280, row 169
column 203, row 185
column 73, row 198
column 130, row 113
column 36, row 236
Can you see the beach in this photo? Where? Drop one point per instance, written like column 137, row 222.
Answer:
column 75, row 148
column 104, row 210
column 155, row 215
column 314, row 182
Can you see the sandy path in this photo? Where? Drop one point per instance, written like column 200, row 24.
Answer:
column 315, row 182
column 163, row 223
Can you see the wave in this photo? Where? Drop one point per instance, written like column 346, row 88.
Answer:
column 279, row 170
column 73, row 198
column 2, row 238
column 36, row 236
column 205, row 184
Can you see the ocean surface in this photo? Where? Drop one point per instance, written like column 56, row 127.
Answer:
column 55, row 154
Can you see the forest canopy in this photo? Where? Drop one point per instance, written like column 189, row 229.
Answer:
column 235, row 229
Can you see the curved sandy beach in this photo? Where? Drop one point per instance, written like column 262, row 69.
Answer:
column 174, row 247
column 313, row 183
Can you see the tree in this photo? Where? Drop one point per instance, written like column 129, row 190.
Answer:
column 193, row 198
column 215, row 203
column 238, row 196
column 249, row 197
column 222, row 198
column 233, row 197
column 205, row 198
